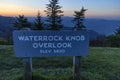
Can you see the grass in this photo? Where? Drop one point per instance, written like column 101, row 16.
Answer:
column 102, row 63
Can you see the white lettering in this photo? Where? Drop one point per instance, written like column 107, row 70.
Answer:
column 31, row 38
column 75, row 38
column 26, row 38
column 20, row 38
column 82, row 37
column 35, row 45
column 40, row 45
column 52, row 45
column 40, row 38
column 59, row 51
column 45, row 51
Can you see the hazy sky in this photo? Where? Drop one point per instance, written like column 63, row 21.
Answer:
column 96, row 8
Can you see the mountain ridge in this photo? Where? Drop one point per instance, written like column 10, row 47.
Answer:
column 101, row 26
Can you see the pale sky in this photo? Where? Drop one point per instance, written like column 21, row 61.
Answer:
column 96, row 8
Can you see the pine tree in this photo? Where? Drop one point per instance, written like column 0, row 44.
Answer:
column 114, row 40
column 117, row 31
column 54, row 14
column 38, row 22
column 21, row 22
column 79, row 18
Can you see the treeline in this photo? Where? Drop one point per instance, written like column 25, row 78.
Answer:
column 53, row 22
column 107, row 41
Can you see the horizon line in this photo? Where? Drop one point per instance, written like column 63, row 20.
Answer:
column 87, row 17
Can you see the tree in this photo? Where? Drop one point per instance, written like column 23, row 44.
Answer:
column 54, row 14
column 21, row 22
column 38, row 22
column 117, row 31
column 114, row 40
column 79, row 18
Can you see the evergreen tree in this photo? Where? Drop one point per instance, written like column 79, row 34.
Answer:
column 54, row 14
column 114, row 40
column 117, row 31
column 21, row 22
column 38, row 22
column 79, row 18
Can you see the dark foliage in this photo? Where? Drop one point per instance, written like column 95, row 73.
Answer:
column 21, row 22
column 54, row 14
column 97, row 43
column 38, row 22
column 114, row 40
column 117, row 31
column 79, row 18
column 100, row 41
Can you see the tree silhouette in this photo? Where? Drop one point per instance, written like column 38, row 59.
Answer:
column 54, row 14
column 38, row 22
column 79, row 18
column 117, row 31
column 21, row 22
column 114, row 40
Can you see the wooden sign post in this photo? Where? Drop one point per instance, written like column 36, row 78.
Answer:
column 27, row 68
column 28, row 44
column 77, row 67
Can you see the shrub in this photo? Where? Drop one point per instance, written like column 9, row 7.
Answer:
column 3, row 41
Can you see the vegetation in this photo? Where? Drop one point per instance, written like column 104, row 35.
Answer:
column 114, row 40
column 100, row 64
column 117, row 31
column 79, row 18
column 3, row 41
column 54, row 14
column 21, row 22
column 100, row 41
column 38, row 22
column 107, row 41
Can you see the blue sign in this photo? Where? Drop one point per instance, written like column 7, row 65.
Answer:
column 50, row 43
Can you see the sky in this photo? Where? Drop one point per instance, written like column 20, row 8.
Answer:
column 96, row 8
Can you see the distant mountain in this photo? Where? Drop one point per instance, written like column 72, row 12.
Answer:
column 6, row 23
column 6, row 20
column 102, row 26
column 96, row 26
column 6, row 26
